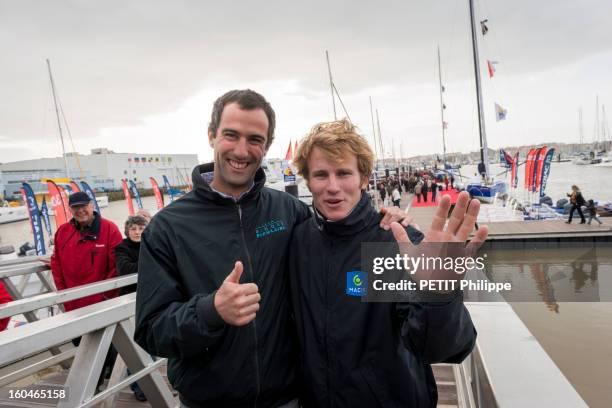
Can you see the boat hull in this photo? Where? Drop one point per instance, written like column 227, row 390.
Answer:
column 487, row 192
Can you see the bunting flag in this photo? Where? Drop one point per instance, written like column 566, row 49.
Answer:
column 539, row 167
column 136, row 194
column 74, row 186
column 500, row 113
column 514, row 173
column 483, row 27
column 87, row 189
column 159, row 198
column 295, row 146
column 128, row 197
column 289, row 154
column 169, row 189
column 444, row 124
column 57, row 204
column 443, row 88
column 491, row 67
column 546, row 170
column 29, row 200
column 44, row 212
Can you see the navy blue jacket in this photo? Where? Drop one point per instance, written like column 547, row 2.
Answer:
column 358, row 354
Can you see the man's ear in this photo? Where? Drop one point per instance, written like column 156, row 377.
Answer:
column 211, row 136
column 364, row 182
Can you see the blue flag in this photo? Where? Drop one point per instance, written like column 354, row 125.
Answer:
column 44, row 211
column 35, row 220
column 87, row 189
column 135, row 193
column 546, row 170
column 169, row 189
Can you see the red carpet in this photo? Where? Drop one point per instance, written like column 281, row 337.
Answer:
column 452, row 193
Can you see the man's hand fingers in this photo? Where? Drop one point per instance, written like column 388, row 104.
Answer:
column 235, row 274
column 249, row 300
column 469, row 220
column 458, row 213
column 249, row 310
column 407, row 220
column 248, row 289
column 386, row 221
column 439, row 219
column 400, row 234
column 479, row 238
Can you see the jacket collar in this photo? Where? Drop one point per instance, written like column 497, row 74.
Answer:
column 203, row 190
column 362, row 216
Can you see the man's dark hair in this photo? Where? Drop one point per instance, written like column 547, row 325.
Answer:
column 247, row 100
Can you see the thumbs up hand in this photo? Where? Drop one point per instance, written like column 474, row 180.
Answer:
column 237, row 303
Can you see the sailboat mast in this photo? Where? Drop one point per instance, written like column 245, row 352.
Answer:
column 331, row 84
column 59, row 125
column 374, row 135
column 441, row 109
column 484, row 150
column 382, row 147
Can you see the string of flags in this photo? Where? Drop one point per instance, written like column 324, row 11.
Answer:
column 500, row 112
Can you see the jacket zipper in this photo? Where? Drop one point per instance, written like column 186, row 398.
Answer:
column 250, row 263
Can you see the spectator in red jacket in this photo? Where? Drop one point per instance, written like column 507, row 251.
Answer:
column 84, row 251
column 4, row 298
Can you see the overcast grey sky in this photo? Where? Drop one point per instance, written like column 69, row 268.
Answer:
column 141, row 76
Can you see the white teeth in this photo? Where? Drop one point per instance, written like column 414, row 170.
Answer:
column 237, row 165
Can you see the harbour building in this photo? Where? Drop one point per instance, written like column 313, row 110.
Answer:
column 103, row 169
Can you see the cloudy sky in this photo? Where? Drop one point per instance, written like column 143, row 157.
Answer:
column 141, row 76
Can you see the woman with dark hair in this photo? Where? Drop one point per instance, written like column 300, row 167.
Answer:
column 126, row 257
column 577, row 201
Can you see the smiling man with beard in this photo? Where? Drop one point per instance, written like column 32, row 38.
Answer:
column 212, row 291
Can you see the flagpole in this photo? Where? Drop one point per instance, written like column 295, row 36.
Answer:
column 376, row 157
column 484, row 150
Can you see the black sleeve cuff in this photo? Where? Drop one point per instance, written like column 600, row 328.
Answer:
column 207, row 312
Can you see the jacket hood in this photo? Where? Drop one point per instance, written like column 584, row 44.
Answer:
column 362, row 216
column 203, row 190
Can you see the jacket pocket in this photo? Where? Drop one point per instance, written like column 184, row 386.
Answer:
column 378, row 387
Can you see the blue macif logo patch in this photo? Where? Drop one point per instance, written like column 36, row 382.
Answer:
column 356, row 283
column 269, row 227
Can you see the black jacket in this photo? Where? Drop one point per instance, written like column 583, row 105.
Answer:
column 186, row 252
column 126, row 258
column 358, row 354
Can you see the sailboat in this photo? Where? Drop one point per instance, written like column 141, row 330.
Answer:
column 486, row 189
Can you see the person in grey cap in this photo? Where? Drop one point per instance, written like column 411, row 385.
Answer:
column 84, row 252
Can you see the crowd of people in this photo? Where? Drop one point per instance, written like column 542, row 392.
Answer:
column 422, row 184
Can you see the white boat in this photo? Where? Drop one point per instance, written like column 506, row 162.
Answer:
column 102, row 201
column 12, row 214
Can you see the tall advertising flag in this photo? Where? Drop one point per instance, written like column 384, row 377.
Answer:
column 135, row 193
column 35, row 220
column 64, row 196
column 87, row 189
column 169, row 189
column 546, row 170
column 44, row 212
column 528, row 166
column 74, row 186
column 57, row 203
column 128, row 197
column 539, row 167
column 159, row 198
column 534, row 169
